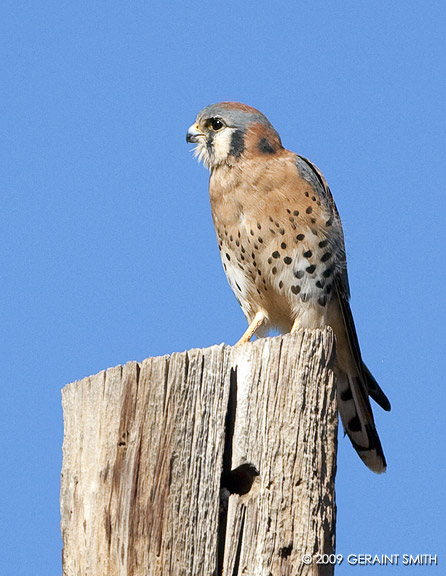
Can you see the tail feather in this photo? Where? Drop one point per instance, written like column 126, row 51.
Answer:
column 355, row 383
column 358, row 422
column 375, row 390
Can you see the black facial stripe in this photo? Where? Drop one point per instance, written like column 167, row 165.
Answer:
column 265, row 146
column 210, row 143
column 237, row 144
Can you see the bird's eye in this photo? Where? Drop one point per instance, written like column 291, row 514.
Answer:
column 216, row 124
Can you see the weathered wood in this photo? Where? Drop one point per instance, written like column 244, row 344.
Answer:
column 214, row 461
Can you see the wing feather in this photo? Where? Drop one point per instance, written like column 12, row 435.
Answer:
column 353, row 388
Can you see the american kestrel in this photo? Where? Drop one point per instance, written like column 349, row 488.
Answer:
column 282, row 248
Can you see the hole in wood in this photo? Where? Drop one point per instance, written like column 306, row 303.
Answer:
column 240, row 480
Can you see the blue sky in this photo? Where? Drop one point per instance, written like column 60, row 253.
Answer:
column 107, row 246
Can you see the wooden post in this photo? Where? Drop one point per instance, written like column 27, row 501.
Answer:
column 218, row 461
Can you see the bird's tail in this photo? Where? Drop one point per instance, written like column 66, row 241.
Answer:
column 357, row 417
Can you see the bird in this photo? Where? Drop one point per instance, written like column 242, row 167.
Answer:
column 282, row 248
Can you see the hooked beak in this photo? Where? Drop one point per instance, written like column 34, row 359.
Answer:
column 193, row 134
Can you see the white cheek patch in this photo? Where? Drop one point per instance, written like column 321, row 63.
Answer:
column 222, row 145
column 219, row 150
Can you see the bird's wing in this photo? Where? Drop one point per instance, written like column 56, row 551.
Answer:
column 354, row 387
column 313, row 175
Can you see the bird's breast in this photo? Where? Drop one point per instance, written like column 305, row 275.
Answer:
column 280, row 246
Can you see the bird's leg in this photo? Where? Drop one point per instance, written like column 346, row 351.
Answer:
column 295, row 326
column 252, row 328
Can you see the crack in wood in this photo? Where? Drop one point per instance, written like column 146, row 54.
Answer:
column 238, row 554
column 233, row 481
column 226, row 467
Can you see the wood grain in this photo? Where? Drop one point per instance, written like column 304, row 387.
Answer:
column 218, row 461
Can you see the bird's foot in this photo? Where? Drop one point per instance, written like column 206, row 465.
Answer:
column 252, row 328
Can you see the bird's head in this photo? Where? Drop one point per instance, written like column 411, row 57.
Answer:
column 227, row 132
